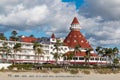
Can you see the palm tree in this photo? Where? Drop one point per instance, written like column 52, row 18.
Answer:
column 100, row 51
column 76, row 50
column 2, row 37
column 5, row 49
column 109, row 54
column 38, row 50
column 87, row 56
column 57, row 48
column 14, row 35
column 16, row 48
column 70, row 56
column 115, row 52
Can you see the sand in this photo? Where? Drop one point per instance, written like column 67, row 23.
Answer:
column 56, row 76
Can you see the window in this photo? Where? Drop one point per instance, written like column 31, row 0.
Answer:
column 82, row 41
column 65, row 48
column 19, row 56
column 91, row 58
column 27, row 57
column 81, row 58
column 75, row 36
column 68, row 41
column 75, row 41
column 97, row 59
column 75, row 58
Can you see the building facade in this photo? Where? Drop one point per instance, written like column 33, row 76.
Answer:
column 27, row 53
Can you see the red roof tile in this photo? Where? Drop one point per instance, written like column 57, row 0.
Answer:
column 53, row 36
column 76, row 38
column 81, row 54
column 28, row 39
column 75, row 21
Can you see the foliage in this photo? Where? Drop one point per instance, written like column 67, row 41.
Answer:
column 2, row 69
column 87, row 56
column 73, row 71
column 116, row 61
column 21, row 66
column 86, row 71
column 37, row 47
column 2, row 37
column 57, row 48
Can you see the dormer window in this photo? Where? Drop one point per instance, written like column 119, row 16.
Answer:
column 75, row 36
column 82, row 41
column 75, row 41
column 68, row 41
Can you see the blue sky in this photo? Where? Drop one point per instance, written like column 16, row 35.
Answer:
column 99, row 19
column 77, row 4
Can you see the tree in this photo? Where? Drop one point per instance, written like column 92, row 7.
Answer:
column 115, row 52
column 57, row 48
column 31, row 35
column 76, row 50
column 2, row 37
column 16, row 48
column 14, row 33
column 116, row 61
column 99, row 50
column 38, row 50
column 14, row 36
column 5, row 49
column 87, row 56
column 109, row 54
column 70, row 56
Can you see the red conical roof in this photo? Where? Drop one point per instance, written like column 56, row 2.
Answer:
column 53, row 36
column 75, row 38
column 75, row 21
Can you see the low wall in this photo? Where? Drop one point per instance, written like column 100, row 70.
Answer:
column 4, row 65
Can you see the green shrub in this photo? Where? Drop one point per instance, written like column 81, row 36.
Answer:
column 74, row 71
column 56, row 71
column 21, row 66
column 86, row 71
column 2, row 69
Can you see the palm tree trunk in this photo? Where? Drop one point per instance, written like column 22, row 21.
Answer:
column 38, row 58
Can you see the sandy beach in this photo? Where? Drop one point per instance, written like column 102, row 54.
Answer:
column 56, row 76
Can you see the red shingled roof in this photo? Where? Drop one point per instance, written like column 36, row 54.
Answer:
column 75, row 38
column 28, row 39
column 81, row 54
column 53, row 36
column 75, row 21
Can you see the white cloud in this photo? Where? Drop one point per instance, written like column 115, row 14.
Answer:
column 108, row 9
column 98, row 18
column 46, row 15
column 102, row 18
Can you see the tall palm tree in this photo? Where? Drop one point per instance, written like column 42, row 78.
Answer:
column 38, row 50
column 76, row 50
column 14, row 35
column 115, row 52
column 16, row 48
column 109, row 54
column 57, row 48
column 87, row 56
column 100, row 51
column 70, row 56
column 2, row 37
column 5, row 49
